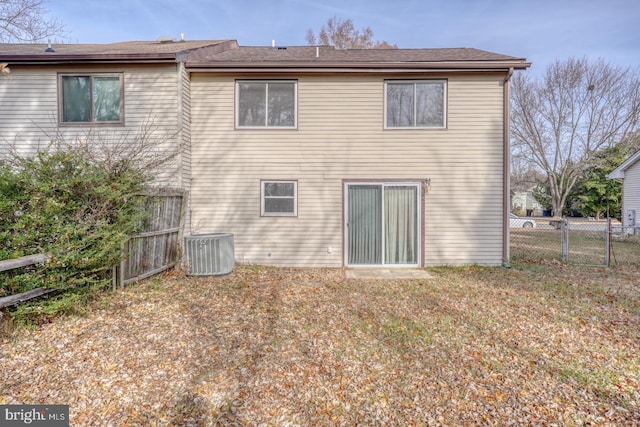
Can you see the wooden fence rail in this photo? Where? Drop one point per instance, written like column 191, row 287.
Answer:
column 24, row 261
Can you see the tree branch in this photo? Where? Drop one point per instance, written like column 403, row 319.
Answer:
column 25, row 21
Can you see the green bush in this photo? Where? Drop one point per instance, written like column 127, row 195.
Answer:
column 74, row 210
column 77, row 201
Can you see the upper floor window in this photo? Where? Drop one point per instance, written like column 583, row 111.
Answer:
column 91, row 98
column 266, row 103
column 415, row 104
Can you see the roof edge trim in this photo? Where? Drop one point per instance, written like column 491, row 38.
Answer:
column 197, row 66
column 618, row 172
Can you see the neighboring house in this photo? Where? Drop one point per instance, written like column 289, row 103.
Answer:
column 629, row 173
column 109, row 90
column 525, row 201
column 310, row 156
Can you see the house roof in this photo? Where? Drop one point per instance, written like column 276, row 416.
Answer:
column 327, row 57
column 618, row 172
column 132, row 51
column 228, row 56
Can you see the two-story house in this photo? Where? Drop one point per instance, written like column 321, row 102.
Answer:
column 310, row 156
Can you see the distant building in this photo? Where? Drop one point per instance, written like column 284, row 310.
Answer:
column 629, row 173
column 524, row 201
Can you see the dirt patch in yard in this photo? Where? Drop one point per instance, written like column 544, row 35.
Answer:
column 533, row 345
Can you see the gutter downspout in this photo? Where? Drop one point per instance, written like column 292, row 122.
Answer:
column 506, row 168
column 180, row 73
column 180, row 123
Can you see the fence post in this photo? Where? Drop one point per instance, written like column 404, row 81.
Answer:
column 184, row 206
column 564, row 240
column 607, row 249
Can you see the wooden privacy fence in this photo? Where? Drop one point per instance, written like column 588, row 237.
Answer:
column 156, row 247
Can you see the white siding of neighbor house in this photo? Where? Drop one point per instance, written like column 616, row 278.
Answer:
column 340, row 136
column 631, row 193
column 29, row 107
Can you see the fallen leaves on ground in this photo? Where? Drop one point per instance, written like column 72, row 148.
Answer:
column 534, row 345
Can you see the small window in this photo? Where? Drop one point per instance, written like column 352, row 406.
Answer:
column 91, row 98
column 279, row 198
column 415, row 104
column 266, row 104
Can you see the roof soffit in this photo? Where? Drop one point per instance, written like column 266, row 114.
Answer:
column 618, row 172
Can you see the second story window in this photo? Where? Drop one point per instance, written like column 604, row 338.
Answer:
column 268, row 104
column 415, row 104
column 95, row 98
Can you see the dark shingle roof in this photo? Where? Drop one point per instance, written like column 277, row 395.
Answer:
column 330, row 54
column 111, row 51
column 324, row 57
column 227, row 55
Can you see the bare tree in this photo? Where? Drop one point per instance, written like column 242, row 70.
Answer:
column 343, row 34
column 148, row 149
column 524, row 176
column 576, row 109
column 25, row 21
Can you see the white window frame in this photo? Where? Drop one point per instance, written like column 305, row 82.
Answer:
column 92, row 121
column 266, row 124
column 263, row 197
column 445, row 84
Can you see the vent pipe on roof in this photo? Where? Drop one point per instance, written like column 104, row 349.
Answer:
column 273, row 43
column 49, row 48
column 317, row 51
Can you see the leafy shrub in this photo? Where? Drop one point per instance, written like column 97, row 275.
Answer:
column 73, row 210
column 77, row 202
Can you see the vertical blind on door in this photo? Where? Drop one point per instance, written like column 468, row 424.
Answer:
column 382, row 224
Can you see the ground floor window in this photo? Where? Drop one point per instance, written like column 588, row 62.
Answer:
column 279, row 198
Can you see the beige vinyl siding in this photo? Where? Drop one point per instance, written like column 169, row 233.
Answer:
column 340, row 137
column 28, row 104
column 29, row 107
column 631, row 193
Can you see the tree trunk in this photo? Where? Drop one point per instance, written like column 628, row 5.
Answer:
column 557, row 204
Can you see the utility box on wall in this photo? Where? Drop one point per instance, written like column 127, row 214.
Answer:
column 209, row 254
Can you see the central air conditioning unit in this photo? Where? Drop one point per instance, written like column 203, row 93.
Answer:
column 209, row 254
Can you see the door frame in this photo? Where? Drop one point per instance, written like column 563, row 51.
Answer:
column 420, row 186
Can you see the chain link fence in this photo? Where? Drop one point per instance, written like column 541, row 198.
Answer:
column 625, row 245
column 576, row 241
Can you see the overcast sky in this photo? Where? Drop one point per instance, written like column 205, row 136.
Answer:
column 539, row 30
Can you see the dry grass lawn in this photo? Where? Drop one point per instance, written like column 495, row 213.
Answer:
column 534, row 345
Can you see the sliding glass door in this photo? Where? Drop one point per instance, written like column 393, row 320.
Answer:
column 382, row 224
